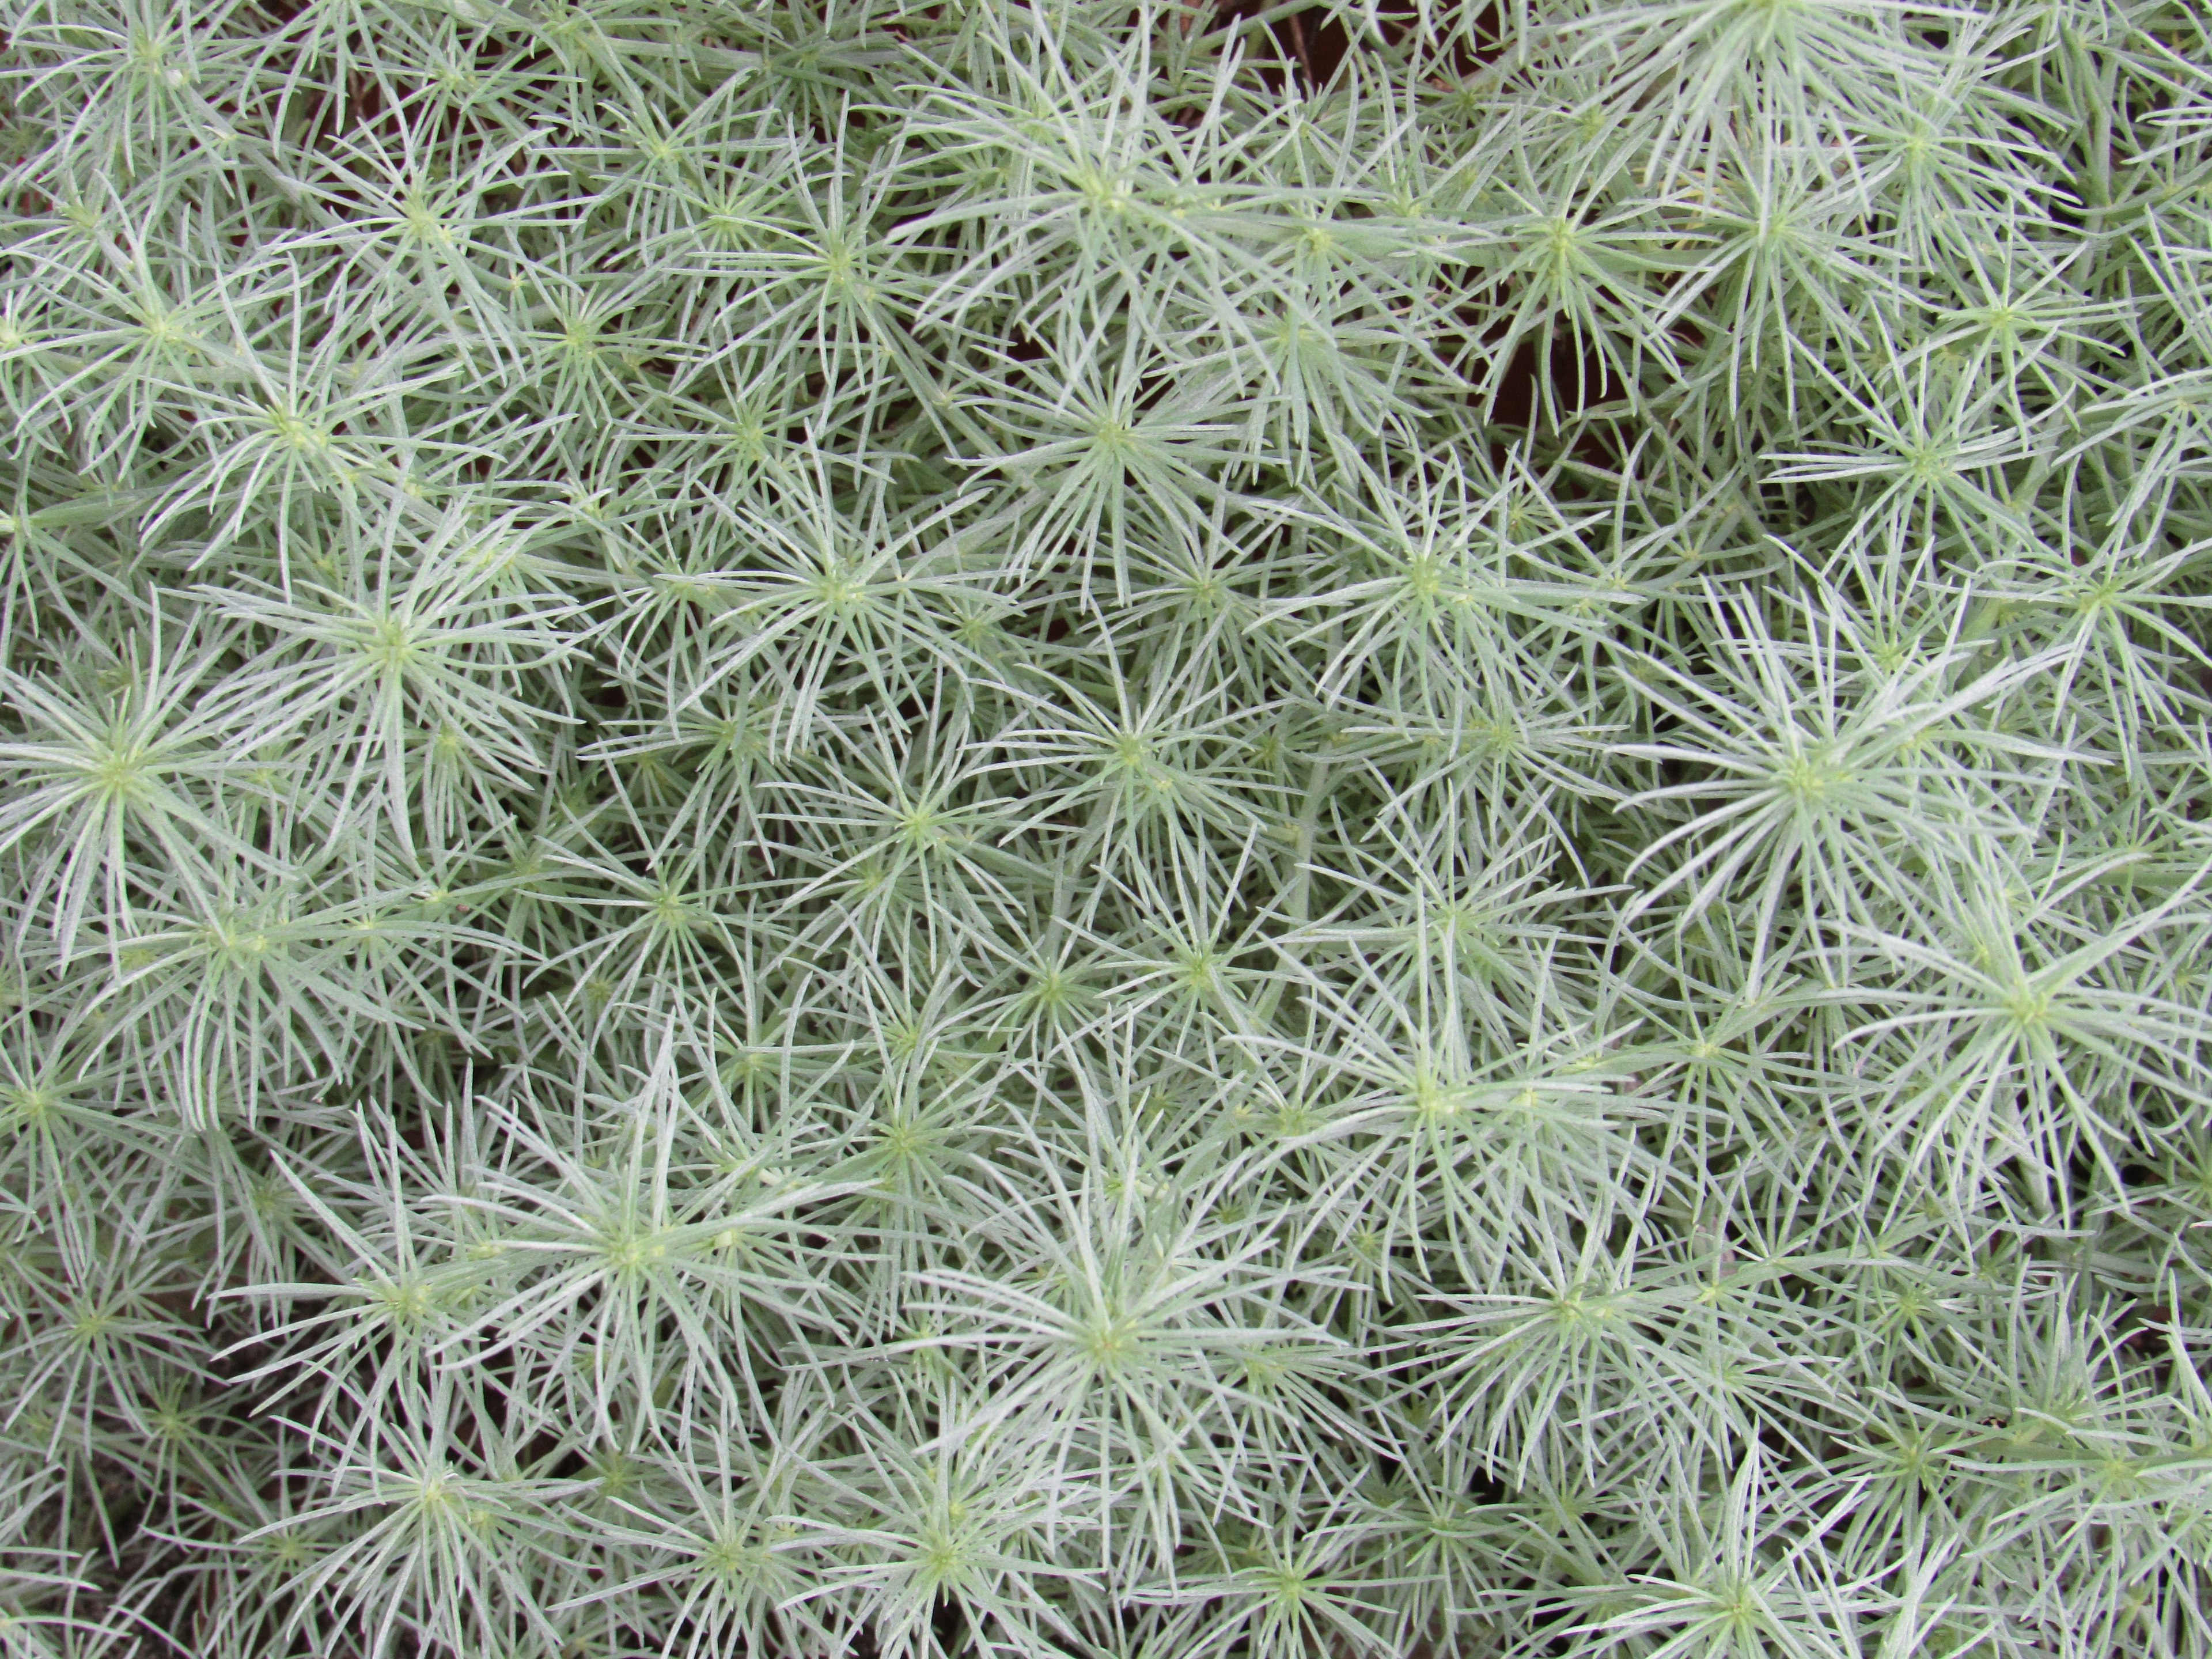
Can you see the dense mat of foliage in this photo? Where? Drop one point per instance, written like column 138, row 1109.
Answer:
column 962, row 829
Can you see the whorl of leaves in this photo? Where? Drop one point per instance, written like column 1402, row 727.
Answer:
column 887, row 829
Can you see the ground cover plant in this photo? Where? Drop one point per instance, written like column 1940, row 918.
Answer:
column 905, row 830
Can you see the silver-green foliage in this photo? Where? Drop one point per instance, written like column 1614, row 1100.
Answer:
column 840, row 829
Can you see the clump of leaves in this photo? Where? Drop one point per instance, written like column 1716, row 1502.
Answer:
column 836, row 829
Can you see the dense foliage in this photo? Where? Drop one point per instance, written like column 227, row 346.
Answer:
column 876, row 828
